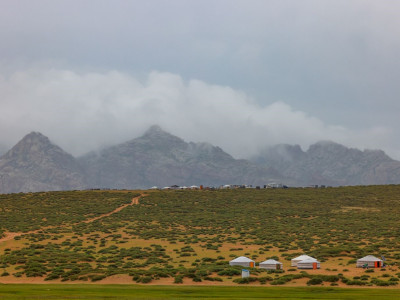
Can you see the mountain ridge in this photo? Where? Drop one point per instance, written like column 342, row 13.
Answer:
column 327, row 162
column 160, row 158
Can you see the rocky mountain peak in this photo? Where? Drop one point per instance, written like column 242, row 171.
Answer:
column 34, row 163
column 154, row 130
column 157, row 137
column 32, row 143
column 326, row 146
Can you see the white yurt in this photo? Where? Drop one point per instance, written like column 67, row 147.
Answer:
column 243, row 261
column 310, row 263
column 369, row 261
column 271, row 264
column 295, row 260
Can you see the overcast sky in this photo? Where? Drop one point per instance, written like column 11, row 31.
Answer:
column 241, row 75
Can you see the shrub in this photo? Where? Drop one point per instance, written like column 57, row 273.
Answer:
column 98, row 277
column 245, row 280
column 314, row 281
column 178, row 279
column 197, row 279
column 369, row 271
column 52, row 276
column 264, row 279
column 146, row 279
column 229, row 272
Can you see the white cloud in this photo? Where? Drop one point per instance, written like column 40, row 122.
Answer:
column 82, row 111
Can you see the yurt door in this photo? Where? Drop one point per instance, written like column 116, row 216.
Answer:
column 278, row 266
column 251, row 265
column 377, row 264
column 314, row 266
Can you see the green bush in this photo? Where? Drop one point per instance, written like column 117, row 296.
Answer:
column 178, row 279
column 229, row 272
column 97, row 277
column 245, row 280
column 146, row 279
column 314, row 281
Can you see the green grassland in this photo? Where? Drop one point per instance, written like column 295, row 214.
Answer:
column 187, row 292
column 188, row 237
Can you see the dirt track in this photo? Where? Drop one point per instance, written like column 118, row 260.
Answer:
column 11, row 235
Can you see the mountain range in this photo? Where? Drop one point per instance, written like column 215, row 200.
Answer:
column 162, row 159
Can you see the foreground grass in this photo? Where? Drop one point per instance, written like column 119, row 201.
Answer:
column 26, row 291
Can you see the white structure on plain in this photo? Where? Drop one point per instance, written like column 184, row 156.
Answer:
column 310, row 263
column 245, row 273
column 243, row 261
column 369, row 261
column 295, row 260
column 271, row 264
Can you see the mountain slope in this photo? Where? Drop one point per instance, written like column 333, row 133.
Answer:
column 159, row 158
column 162, row 159
column 332, row 164
column 35, row 164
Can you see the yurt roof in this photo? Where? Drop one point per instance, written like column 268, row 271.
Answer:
column 271, row 261
column 309, row 260
column 241, row 259
column 370, row 258
column 303, row 257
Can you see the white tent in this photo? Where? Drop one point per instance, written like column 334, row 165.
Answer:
column 295, row 260
column 243, row 261
column 369, row 261
column 271, row 264
column 310, row 263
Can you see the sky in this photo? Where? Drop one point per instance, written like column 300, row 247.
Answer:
column 240, row 74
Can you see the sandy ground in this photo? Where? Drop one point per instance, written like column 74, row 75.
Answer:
column 135, row 201
column 11, row 235
column 330, row 267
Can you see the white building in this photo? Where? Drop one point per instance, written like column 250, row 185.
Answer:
column 271, row 264
column 295, row 260
column 369, row 261
column 245, row 273
column 243, row 261
column 310, row 263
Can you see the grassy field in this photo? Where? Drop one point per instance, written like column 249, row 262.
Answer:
column 188, row 237
column 187, row 292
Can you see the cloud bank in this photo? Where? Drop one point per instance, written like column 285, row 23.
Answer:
column 83, row 111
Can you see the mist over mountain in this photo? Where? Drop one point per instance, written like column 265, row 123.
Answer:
column 329, row 163
column 159, row 158
column 162, row 159
column 3, row 149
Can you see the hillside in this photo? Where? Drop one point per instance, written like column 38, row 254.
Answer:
column 159, row 158
column 189, row 236
column 329, row 163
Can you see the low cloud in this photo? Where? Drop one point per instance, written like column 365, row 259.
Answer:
column 83, row 111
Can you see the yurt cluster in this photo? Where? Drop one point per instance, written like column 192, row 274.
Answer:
column 302, row 262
